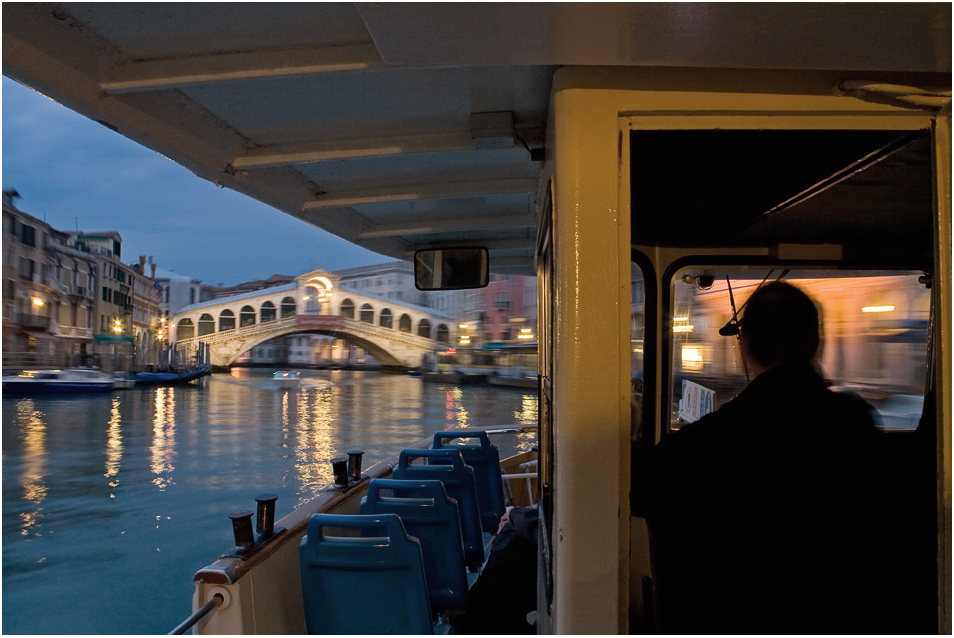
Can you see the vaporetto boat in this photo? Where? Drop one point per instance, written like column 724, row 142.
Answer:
column 262, row 584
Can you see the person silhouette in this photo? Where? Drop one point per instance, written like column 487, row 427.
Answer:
column 759, row 512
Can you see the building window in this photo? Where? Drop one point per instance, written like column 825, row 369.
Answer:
column 26, row 268
column 28, row 235
column 500, row 301
column 191, row 296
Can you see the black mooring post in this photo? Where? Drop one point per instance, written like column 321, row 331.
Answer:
column 354, row 465
column 242, row 528
column 265, row 521
column 341, row 471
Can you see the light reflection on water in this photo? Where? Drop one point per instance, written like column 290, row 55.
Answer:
column 112, row 502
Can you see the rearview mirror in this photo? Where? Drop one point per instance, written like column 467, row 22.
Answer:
column 451, row 268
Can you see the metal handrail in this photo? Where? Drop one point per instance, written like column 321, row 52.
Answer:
column 199, row 614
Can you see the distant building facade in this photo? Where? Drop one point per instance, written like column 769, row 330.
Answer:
column 67, row 296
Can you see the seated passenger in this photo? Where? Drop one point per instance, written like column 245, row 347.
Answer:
column 506, row 590
column 760, row 513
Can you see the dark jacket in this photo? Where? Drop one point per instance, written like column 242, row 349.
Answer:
column 760, row 513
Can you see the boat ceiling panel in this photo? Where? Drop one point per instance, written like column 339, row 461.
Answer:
column 793, row 35
column 159, row 30
column 399, row 126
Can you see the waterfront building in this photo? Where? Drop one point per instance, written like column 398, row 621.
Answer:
column 27, row 294
column 506, row 311
column 64, row 292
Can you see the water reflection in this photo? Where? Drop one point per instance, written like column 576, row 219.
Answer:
column 114, row 445
column 163, row 448
column 178, row 461
column 314, row 447
column 527, row 414
column 34, row 460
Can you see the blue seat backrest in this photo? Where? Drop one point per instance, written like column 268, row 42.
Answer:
column 369, row 582
column 448, row 467
column 485, row 459
column 434, row 519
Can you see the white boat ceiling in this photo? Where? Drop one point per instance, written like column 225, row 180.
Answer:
column 404, row 126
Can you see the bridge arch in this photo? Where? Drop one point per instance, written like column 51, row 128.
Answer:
column 424, row 328
column 367, row 313
column 394, row 332
column 185, row 329
column 267, row 312
column 346, row 309
column 226, row 320
column 289, row 307
column 206, row 325
column 246, row 317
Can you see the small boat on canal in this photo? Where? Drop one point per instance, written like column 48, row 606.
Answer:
column 286, row 379
column 68, row 381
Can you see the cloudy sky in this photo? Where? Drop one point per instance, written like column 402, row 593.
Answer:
column 76, row 174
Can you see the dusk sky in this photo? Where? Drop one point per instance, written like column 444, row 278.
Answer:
column 73, row 174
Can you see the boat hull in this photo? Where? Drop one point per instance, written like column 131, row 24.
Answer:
column 169, row 378
column 55, row 387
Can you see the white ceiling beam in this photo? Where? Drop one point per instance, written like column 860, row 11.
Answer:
column 448, row 225
column 298, row 153
column 157, row 75
column 424, row 191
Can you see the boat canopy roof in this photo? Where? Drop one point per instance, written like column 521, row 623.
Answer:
column 412, row 125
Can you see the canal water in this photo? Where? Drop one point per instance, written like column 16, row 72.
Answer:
column 112, row 502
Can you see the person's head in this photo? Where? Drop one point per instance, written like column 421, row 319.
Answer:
column 779, row 325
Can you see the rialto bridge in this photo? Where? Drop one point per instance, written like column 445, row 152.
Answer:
column 395, row 334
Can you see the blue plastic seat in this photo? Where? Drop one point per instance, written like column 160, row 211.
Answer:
column 433, row 518
column 485, row 459
column 447, row 466
column 369, row 582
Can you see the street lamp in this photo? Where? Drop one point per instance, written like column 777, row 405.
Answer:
column 117, row 326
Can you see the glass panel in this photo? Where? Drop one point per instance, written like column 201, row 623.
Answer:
column 874, row 338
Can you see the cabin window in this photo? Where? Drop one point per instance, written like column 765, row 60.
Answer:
column 637, row 347
column 874, row 337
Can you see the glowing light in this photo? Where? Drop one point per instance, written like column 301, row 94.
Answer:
column 692, row 358
column 680, row 319
column 39, row 303
column 878, row 309
column 682, row 329
column 464, row 326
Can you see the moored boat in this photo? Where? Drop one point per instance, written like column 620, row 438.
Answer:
column 72, row 380
column 170, row 378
